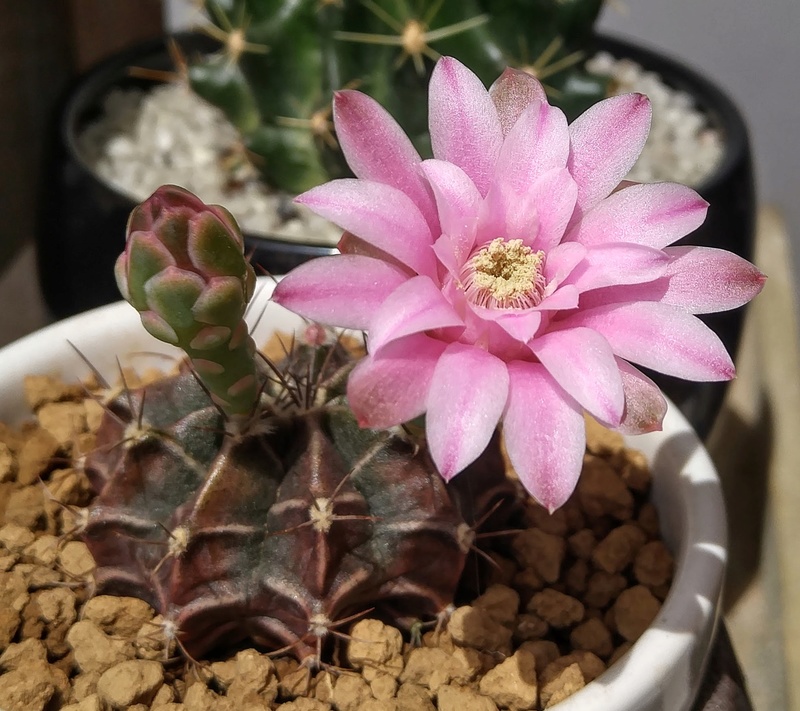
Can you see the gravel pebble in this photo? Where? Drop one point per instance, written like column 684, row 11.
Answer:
column 8, row 464
column 36, row 455
column 512, row 683
column 654, row 564
column 540, row 551
column 94, row 650
column 618, row 549
column 135, row 681
column 561, row 685
column 29, row 689
column 459, row 698
column 118, row 616
column 634, row 610
column 556, row 608
column 474, row 627
column 501, row 603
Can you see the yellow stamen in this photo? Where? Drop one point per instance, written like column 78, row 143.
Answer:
column 504, row 274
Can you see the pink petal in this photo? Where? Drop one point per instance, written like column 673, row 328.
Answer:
column 556, row 193
column 390, row 388
column 463, row 122
column 457, row 200
column 506, row 213
column 415, row 306
column 612, row 264
column 376, row 148
column 511, row 92
column 379, row 214
column 581, row 361
column 698, row 280
column 443, row 248
column 561, row 261
column 537, row 215
column 545, row 434
column 653, row 214
column 537, row 143
column 645, row 406
column 563, row 298
column 625, row 294
column 467, row 396
column 342, row 290
column 704, row 280
column 605, row 142
column 522, row 326
column 660, row 337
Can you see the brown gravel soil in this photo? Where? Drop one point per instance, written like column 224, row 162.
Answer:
column 566, row 598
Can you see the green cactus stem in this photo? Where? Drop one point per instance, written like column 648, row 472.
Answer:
column 184, row 270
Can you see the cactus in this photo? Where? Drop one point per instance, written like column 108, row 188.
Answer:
column 270, row 515
column 282, row 60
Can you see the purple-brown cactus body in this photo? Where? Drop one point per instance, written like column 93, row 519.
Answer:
column 244, row 502
column 277, row 532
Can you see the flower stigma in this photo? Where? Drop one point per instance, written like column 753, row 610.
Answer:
column 504, row 274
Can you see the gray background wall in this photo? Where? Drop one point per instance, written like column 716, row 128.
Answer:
column 750, row 48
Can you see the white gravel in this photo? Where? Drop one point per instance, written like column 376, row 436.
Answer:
column 169, row 135
column 682, row 146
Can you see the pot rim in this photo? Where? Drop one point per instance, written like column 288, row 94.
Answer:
column 663, row 669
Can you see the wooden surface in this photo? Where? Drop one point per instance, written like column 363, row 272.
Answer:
column 34, row 70
column 98, row 28
column 756, row 447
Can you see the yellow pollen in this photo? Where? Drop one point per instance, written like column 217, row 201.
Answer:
column 505, row 274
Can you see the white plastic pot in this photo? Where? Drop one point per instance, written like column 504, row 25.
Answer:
column 662, row 671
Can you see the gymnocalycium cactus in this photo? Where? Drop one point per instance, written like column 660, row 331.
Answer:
column 282, row 60
column 243, row 502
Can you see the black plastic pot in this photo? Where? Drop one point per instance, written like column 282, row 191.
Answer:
column 82, row 219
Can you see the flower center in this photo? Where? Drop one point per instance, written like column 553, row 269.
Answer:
column 504, row 274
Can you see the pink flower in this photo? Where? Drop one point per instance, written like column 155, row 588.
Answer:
column 506, row 280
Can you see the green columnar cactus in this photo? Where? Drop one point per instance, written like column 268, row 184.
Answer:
column 278, row 529
column 282, row 60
